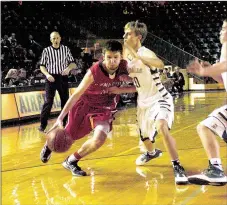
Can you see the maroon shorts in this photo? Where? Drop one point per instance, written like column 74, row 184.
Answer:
column 82, row 119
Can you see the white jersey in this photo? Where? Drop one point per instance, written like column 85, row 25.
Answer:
column 147, row 80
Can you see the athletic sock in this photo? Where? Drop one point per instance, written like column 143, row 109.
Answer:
column 216, row 162
column 74, row 157
column 152, row 153
column 175, row 162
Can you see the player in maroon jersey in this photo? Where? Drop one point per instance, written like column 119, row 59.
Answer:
column 92, row 107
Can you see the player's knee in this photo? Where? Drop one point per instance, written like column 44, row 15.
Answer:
column 200, row 128
column 161, row 126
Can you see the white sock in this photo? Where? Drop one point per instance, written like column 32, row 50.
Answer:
column 72, row 158
column 216, row 162
column 151, row 152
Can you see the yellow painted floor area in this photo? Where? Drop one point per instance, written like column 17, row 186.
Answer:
column 113, row 179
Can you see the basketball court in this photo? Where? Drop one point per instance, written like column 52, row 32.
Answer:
column 113, row 179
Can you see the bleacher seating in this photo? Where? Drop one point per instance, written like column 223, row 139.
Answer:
column 191, row 26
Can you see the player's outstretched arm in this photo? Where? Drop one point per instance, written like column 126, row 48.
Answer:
column 210, row 70
column 121, row 90
column 85, row 83
column 206, row 69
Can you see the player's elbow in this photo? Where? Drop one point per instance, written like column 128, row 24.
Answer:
column 160, row 65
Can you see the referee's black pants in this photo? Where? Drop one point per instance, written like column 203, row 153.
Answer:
column 61, row 85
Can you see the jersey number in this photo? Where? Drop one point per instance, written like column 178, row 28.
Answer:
column 136, row 82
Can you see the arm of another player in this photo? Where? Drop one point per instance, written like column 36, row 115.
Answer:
column 149, row 58
column 85, row 83
column 203, row 69
column 206, row 69
column 120, row 90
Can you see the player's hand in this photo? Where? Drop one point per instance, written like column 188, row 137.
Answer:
column 114, row 90
column 58, row 123
column 125, row 78
column 66, row 71
column 196, row 68
column 205, row 64
column 50, row 78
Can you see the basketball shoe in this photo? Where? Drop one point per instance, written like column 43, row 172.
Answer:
column 180, row 175
column 74, row 168
column 212, row 175
column 146, row 157
column 45, row 154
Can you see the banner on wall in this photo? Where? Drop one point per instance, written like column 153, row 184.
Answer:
column 9, row 107
column 30, row 103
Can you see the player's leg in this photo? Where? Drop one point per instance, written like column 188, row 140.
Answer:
column 150, row 153
column 170, row 144
column 163, row 125
column 147, row 134
column 75, row 115
column 50, row 88
column 91, row 145
column 214, row 125
column 209, row 141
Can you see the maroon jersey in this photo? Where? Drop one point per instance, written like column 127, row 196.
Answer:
column 96, row 94
column 95, row 104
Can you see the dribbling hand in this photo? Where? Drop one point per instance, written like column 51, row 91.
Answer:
column 58, row 123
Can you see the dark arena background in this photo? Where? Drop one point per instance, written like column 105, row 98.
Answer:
column 178, row 32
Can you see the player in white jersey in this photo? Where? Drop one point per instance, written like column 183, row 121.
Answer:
column 155, row 109
column 216, row 123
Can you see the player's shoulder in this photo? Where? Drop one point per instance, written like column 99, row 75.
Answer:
column 145, row 51
column 96, row 65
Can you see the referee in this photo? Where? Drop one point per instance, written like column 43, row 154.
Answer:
column 55, row 64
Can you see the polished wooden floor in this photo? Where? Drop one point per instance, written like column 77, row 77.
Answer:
column 114, row 178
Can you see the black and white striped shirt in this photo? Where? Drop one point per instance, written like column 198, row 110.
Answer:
column 56, row 59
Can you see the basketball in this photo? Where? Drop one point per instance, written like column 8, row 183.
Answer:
column 58, row 140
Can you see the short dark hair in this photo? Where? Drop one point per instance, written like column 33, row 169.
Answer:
column 113, row 45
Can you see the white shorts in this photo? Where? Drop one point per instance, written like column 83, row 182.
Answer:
column 160, row 109
column 217, row 122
